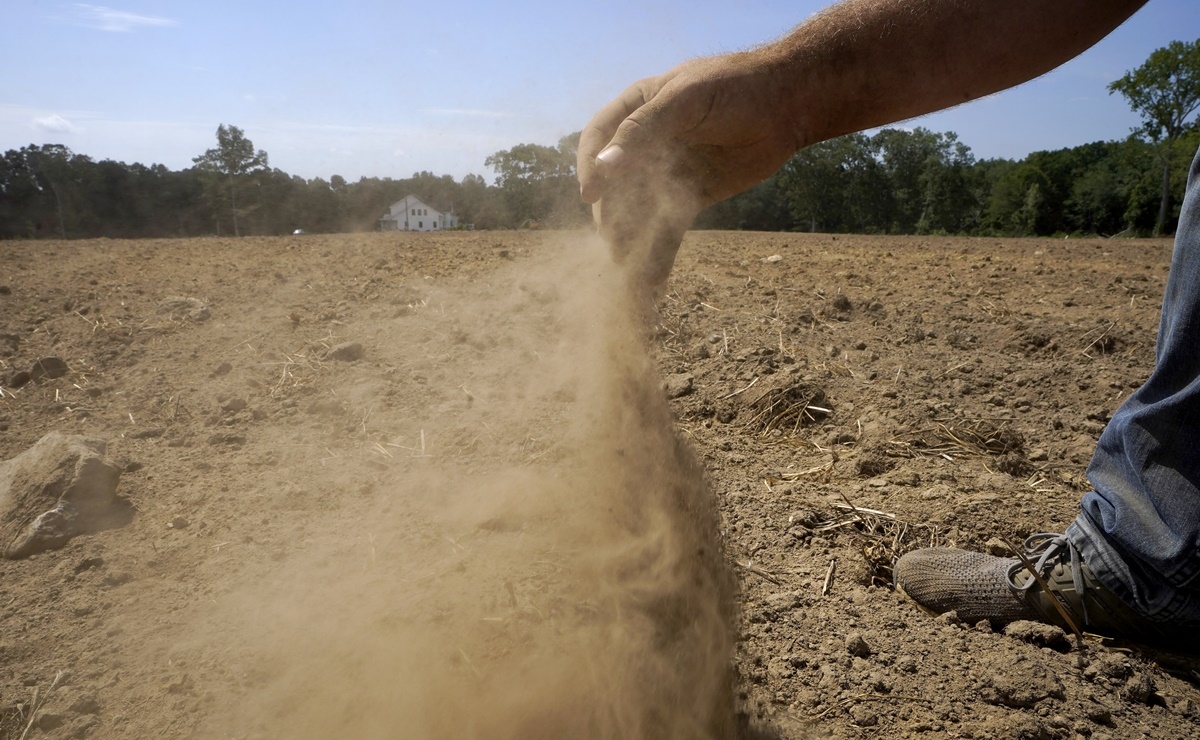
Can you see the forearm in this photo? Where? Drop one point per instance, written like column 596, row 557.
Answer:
column 866, row 63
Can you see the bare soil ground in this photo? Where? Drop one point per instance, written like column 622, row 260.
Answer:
column 346, row 544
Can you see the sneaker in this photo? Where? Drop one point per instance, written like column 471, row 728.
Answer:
column 1002, row 590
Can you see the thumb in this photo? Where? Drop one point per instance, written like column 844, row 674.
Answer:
column 619, row 154
column 632, row 144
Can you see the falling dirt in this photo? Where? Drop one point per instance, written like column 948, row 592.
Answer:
column 578, row 591
column 455, row 485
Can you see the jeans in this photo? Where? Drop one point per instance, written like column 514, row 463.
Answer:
column 1139, row 530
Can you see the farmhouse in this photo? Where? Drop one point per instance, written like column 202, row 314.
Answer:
column 413, row 214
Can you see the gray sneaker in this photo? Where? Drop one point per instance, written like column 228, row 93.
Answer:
column 1003, row 590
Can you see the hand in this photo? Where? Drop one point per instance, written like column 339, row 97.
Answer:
column 672, row 145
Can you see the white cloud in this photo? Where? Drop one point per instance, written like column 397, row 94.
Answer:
column 54, row 124
column 109, row 19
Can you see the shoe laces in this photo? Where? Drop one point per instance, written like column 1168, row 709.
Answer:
column 1046, row 549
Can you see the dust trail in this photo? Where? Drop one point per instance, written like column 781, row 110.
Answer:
column 582, row 593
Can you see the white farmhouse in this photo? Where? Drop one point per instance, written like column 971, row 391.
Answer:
column 412, row 214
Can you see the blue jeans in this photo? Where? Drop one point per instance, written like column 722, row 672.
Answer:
column 1139, row 531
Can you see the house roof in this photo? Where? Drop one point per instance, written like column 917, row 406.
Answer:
column 414, row 200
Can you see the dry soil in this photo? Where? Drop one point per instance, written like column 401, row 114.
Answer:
column 445, row 485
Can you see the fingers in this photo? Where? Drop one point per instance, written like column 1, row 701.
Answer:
column 663, row 248
column 635, row 170
column 643, row 218
column 598, row 134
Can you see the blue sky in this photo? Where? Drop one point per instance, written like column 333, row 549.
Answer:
column 374, row 88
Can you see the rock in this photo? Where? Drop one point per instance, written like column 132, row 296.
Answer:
column 117, row 578
column 831, row 679
column 1037, row 633
column 785, row 600
column 178, row 522
column 1024, row 688
column 180, row 307
column 19, row 378
column 1139, row 689
column 223, row 369
column 857, row 646
column 1110, row 665
column 61, row 487
column 996, row 546
column 949, row 618
column 678, row 385
column 1099, row 714
column 234, row 405
column 774, row 258
column 346, row 352
column 863, row 715
column 149, row 433
column 49, row 368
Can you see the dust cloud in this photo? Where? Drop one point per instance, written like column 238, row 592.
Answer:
column 550, row 570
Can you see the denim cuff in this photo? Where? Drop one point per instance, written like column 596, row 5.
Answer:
column 1147, row 595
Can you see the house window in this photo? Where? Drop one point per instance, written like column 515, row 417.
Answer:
column 420, row 224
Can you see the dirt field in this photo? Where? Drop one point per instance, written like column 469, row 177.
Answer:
column 478, row 523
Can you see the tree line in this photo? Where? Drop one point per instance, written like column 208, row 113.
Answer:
column 894, row 181
column 924, row 182
column 49, row 191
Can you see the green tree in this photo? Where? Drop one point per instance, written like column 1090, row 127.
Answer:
column 927, row 174
column 233, row 159
column 51, row 163
column 20, row 194
column 837, row 185
column 1165, row 92
column 538, row 182
column 1017, row 199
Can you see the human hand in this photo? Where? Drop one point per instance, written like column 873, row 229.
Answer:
column 670, row 146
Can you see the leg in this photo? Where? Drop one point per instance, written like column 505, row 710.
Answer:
column 1139, row 531
column 1129, row 566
